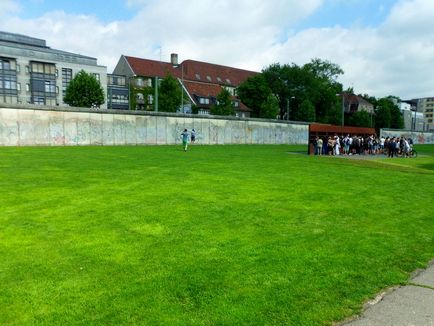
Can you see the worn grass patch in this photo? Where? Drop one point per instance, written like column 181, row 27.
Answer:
column 222, row 235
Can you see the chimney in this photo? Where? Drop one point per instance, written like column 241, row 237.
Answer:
column 174, row 59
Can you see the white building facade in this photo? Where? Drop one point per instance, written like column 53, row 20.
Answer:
column 33, row 73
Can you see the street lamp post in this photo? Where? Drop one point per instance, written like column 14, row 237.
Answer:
column 343, row 110
column 287, row 109
column 156, row 94
column 182, row 88
column 287, row 106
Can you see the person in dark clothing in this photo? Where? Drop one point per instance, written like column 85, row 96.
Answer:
column 392, row 146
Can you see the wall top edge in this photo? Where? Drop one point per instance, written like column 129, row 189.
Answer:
column 143, row 113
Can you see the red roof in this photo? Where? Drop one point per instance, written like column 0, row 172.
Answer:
column 190, row 70
column 200, row 78
column 217, row 74
column 151, row 68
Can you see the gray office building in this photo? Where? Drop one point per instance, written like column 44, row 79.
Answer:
column 33, row 73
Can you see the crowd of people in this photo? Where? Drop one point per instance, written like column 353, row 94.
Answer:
column 358, row 145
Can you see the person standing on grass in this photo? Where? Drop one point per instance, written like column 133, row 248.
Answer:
column 185, row 136
column 319, row 146
column 391, row 147
column 193, row 136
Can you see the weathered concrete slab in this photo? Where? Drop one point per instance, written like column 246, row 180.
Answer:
column 119, row 129
column 107, row 129
column 80, row 127
column 96, row 129
column 151, row 130
column 141, row 123
column 27, row 127
column 130, row 130
column 9, row 128
column 161, row 131
column 175, row 126
column 202, row 131
column 56, row 128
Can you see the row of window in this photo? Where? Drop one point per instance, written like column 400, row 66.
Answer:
column 228, row 81
column 206, row 101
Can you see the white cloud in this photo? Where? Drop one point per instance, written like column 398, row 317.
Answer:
column 394, row 58
column 8, row 7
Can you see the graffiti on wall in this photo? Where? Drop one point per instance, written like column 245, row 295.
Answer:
column 68, row 128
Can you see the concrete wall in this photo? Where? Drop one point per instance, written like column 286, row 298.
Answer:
column 29, row 126
column 418, row 137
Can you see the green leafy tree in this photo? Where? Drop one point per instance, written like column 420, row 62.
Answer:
column 387, row 114
column 270, row 108
column 360, row 119
column 85, row 91
column 224, row 104
column 169, row 98
column 334, row 114
column 255, row 93
column 306, row 111
column 315, row 82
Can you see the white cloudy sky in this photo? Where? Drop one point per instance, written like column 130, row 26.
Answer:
column 385, row 47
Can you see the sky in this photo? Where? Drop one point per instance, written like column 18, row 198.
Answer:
column 385, row 47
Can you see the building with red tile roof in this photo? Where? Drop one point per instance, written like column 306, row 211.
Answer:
column 201, row 81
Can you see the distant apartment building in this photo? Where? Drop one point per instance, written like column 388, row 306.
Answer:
column 426, row 106
column 201, row 82
column 423, row 109
column 413, row 120
column 33, row 73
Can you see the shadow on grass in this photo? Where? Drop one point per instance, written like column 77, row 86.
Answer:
column 429, row 166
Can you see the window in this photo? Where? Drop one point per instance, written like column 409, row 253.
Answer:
column 66, row 78
column 27, row 87
column 208, row 78
column 18, row 87
column 204, row 100
column 43, row 68
column 219, row 79
column 5, row 64
column 228, row 80
column 116, row 80
column 39, row 100
column 197, row 76
column 50, row 87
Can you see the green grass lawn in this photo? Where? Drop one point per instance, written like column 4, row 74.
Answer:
column 220, row 235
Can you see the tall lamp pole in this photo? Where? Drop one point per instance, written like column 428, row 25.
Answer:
column 182, row 88
column 156, row 94
column 343, row 110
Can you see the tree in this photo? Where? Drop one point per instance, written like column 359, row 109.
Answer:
column 312, row 85
column 255, row 93
column 169, row 98
column 85, row 91
column 360, row 119
column 387, row 114
column 306, row 111
column 224, row 104
column 270, row 108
